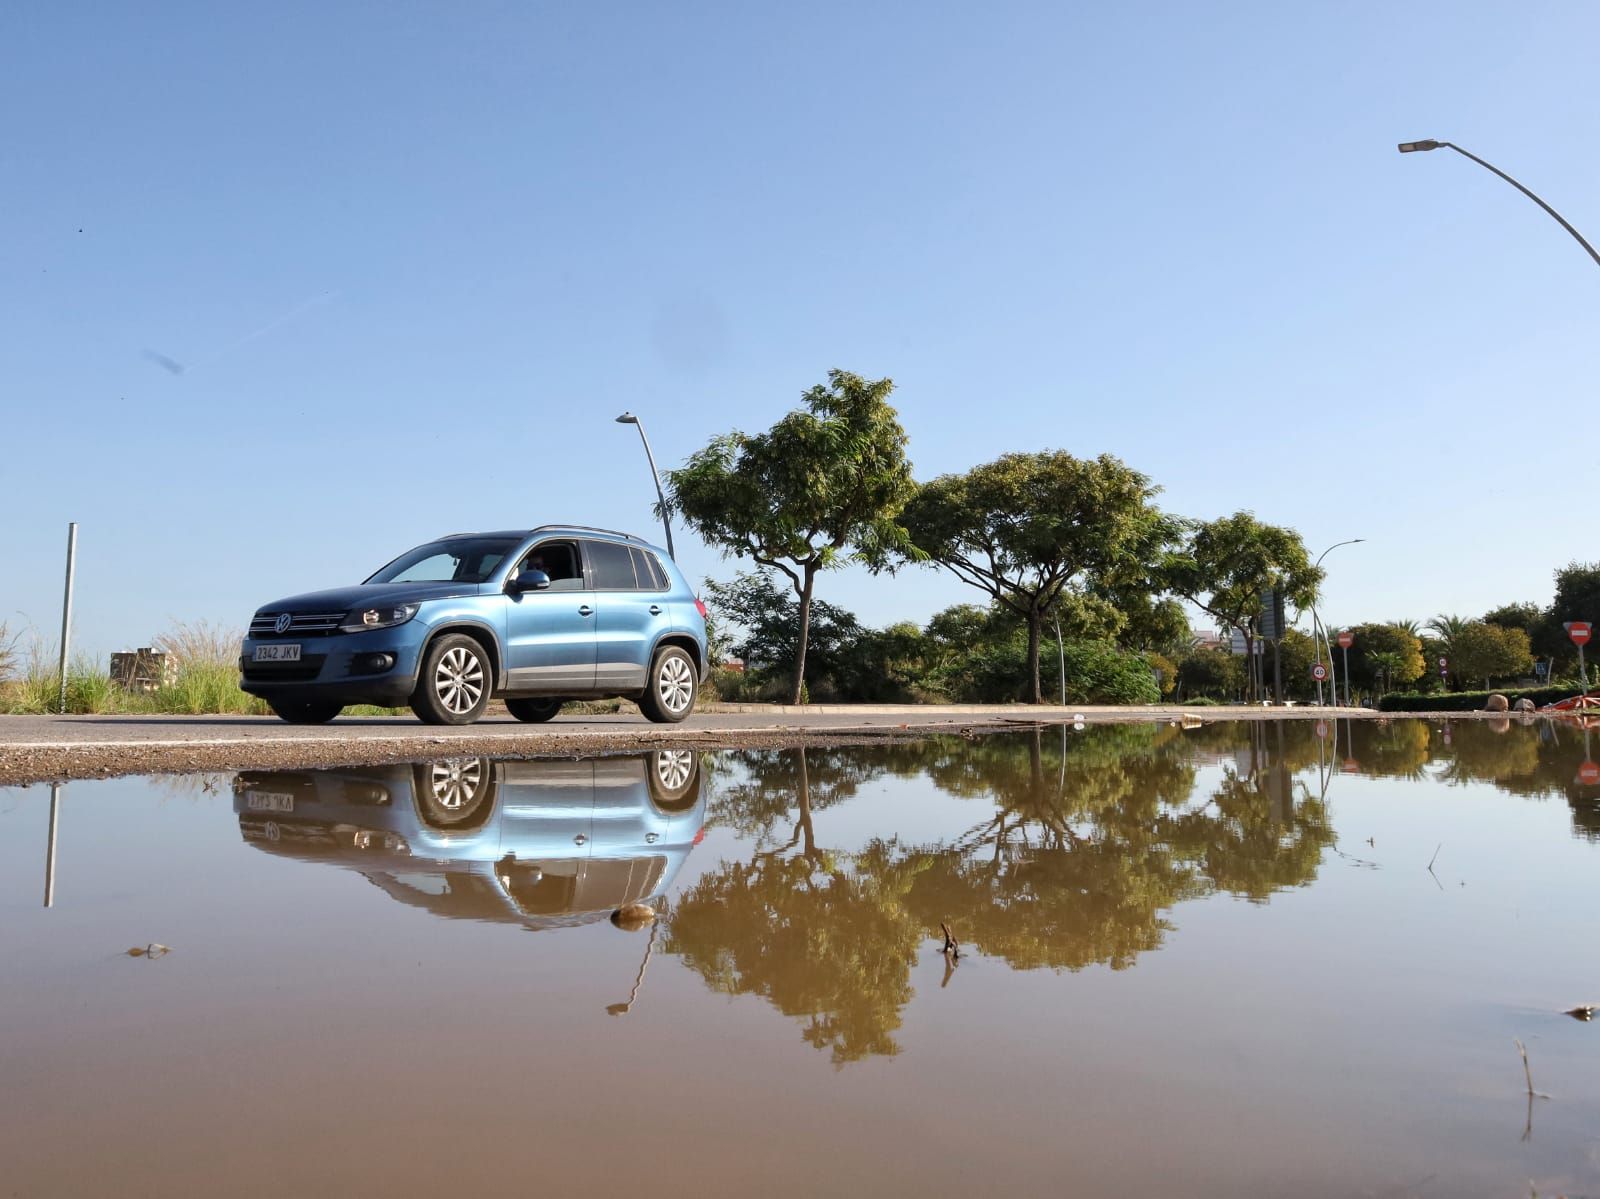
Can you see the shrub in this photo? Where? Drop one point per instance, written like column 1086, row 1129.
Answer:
column 1469, row 701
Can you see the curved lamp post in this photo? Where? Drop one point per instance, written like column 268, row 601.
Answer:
column 1316, row 624
column 1430, row 144
column 628, row 418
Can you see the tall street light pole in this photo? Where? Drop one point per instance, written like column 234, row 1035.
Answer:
column 1316, row 624
column 1429, row 144
column 628, row 418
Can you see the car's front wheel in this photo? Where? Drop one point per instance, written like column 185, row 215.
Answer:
column 454, row 683
column 304, row 712
column 673, row 684
column 533, row 711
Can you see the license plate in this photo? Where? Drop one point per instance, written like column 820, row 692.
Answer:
column 278, row 652
column 268, row 801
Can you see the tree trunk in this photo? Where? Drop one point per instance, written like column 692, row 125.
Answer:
column 809, row 844
column 1036, row 692
column 1250, row 666
column 798, row 689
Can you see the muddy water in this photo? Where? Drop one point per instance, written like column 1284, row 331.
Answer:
column 1209, row 962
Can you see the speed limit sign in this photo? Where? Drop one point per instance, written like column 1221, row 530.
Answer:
column 1319, row 672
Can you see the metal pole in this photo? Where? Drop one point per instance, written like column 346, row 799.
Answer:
column 1061, row 653
column 1488, row 166
column 66, row 610
column 1345, row 649
column 50, row 847
column 628, row 418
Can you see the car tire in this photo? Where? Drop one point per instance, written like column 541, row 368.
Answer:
column 673, row 777
column 533, row 711
column 454, row 683
column 454, row 792
column 669, row 696
column 304, row 711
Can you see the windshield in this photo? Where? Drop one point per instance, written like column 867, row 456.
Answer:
column 455, row 560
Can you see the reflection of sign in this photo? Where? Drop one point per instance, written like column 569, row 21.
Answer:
column 1319, row 672
column 1589, row 774
column 1346, row 638
column 1351, row 766
column 1322, row 728
column 1579, row 631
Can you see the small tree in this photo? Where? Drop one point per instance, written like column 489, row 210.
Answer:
column 1229, row 563
column 825, row 483
column 1026, row 528
column 1487, row 652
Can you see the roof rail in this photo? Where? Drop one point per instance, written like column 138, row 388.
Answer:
column 590, row 529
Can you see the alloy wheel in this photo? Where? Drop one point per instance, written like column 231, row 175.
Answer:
column 458, row 680
column 675, row 684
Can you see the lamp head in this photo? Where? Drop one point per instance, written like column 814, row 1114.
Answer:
column 1414, row 147
column 627, row 418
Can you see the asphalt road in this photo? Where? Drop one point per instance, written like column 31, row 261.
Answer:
column 39, row 748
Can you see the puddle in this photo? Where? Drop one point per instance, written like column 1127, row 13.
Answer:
column 1242, row 959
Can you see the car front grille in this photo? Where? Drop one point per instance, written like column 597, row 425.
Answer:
column 301, row 624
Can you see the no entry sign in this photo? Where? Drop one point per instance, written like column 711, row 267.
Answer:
column 1346, row 639
column 1589, row 774
column 1319, row 672
column 1579, row 631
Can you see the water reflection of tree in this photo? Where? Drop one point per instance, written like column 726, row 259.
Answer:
column 1538, row 759
column 1092, row 840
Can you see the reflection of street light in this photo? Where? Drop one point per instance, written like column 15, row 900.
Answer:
column 628, row 418
column 1430, row 144
column 1316, row 624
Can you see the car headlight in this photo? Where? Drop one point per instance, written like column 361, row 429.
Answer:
column 385, row 616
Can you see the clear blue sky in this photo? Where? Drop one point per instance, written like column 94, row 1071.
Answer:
column 414, row 258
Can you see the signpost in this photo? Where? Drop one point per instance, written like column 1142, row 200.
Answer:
column 1319, row 672
column 1444, row 671
column 1346, row 640
column 1579, row 631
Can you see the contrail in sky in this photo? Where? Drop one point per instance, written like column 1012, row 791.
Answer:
column 178, row 368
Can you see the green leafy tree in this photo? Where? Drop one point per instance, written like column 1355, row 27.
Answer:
column 759, row 620
column 825, row 483
column 1228, row 563
column 1384, row 656
column 1214, row 673
column 1487, row 652
column 1030, row 529
column 1445, row 628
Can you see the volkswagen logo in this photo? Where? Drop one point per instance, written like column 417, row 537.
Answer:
column 283, row 622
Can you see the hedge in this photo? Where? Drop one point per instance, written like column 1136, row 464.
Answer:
column 1469, row 701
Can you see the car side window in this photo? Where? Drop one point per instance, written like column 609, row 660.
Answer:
column 648, row 569
column 559, row 560
column 612, row 565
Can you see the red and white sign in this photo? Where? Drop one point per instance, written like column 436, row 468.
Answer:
column 1444, row 663
column 1319, row 672
column 1346, row 639
column 1589, row 774
column 1579, row 631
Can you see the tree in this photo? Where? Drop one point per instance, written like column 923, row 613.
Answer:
column 1384, row 656
column 1211, row 672
column 1229, row 563
column 1030, row 529
column 1487, row 651
column 824, row 484
column 759, row 620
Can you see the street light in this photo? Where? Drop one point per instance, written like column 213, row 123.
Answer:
column 1430, row 144
column 1316, row 624
column 628, row 418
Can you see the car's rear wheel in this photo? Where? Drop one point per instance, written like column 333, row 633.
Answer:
column 673, row 776
column 533, row 711
column 673, row 684
column 454, row 683
column 305, row 711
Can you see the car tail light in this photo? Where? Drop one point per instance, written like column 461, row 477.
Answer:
column 699, row 836
column 701, row 608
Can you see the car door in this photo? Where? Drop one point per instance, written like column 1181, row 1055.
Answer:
column 550, row 634
column 546, row 833
column 633, row 612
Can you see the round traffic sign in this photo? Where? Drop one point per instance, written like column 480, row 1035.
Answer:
column 1444, row 663
column 1319, row 672
column 1346, row 639
column 1579, row 631
column 1589, row 774
column 1322, row 729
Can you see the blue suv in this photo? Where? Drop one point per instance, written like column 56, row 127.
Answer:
column 535, row 617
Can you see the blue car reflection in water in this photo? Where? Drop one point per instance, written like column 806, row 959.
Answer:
column 544, row 844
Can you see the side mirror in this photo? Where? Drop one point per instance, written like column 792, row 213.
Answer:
column 530, row 580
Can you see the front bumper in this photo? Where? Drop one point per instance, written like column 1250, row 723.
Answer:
column 335, row 668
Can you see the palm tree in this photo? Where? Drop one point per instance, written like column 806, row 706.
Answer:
column 1447, row 629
